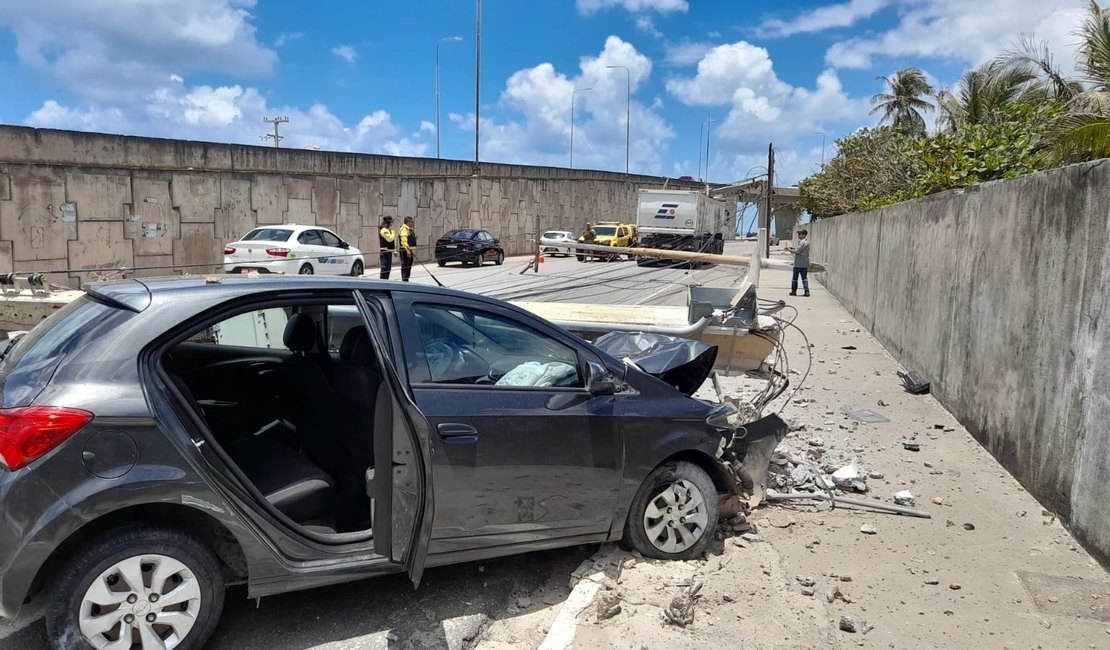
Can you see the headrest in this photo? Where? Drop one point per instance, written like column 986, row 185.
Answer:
column 300, row 333
column 356, row 348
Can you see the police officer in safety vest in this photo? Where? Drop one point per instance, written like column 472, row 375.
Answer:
column 387, row 241
column 408, row 242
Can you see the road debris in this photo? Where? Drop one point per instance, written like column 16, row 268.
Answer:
column 836, row 500
column 904, row 498
column 911, row 446
column 847, row 624
column 681, row 610
column 914, row 383
column 608, row 605
column 868, row 529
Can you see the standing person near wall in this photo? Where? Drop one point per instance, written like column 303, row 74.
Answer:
column 408, row 242
column 387, row 240
column 588, row 237
column 801, row 264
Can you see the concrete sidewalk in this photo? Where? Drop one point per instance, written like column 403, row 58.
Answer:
column 989, row 569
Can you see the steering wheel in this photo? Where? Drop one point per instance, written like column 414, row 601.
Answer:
column 450, row 361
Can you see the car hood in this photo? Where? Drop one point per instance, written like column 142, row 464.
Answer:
column 682, row 363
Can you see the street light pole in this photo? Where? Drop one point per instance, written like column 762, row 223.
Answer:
column 822, row 134
column 477, row 83
column 627, row 112
column 708, row 136
column 442, row 40
column 701, row 132
column 572, row 93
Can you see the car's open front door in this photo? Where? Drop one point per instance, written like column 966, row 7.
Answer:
column 401, row 481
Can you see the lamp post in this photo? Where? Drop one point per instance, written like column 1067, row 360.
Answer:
column 477, row 82
column 627, row 112
column 572, row 94
column 822, row 134
column 442, row 40
column 708, row 136
column 701, row 132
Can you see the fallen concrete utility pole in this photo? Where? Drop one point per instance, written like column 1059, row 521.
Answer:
column 684, row 256
column 875, row 505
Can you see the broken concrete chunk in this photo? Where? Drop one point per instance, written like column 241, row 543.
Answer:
column 805, row 581
column 868, row 529
column 848, row 625
column 904, row 498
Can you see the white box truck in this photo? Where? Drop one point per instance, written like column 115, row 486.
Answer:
column 681, row 220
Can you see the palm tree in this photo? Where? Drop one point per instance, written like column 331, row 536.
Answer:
column 1033, row 59
column 988, row 94
column 1083, row 130
column 903, row 101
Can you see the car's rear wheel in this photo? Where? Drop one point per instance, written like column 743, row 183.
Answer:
column 137, row 587
column 581, row 258
column 306, row 270
column 674, row 513
column 356, row 268
column 441, row 262
column 500, row 258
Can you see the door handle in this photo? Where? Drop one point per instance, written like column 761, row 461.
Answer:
column 455, row 433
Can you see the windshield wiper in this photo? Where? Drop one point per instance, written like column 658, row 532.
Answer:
column 9, row 344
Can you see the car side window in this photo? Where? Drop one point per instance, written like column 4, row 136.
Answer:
column 260, row 328
column 329, row 239
column 310, row 238
column 471, row 347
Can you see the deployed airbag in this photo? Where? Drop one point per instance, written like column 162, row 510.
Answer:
column 682, row 363
column 534, row 373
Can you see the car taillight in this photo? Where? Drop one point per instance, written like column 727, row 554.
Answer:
column 229, row 251
column 277, row 252
column 28, row 432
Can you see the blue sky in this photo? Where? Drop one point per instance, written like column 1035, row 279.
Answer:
column 359, row 76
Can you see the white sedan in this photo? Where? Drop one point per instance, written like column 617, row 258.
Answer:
column 291, row 249
column 557, row 242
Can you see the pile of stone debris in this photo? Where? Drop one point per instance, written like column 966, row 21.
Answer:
column 812, row 465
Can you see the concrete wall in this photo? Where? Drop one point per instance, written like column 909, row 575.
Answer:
column 998, row 294
column 71, row 200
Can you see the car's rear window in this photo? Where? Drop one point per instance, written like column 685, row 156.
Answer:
column 460, row 234
column 31, row 360
column 268, row 234
column 554, row 234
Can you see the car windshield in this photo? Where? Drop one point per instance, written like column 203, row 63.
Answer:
column 461, row 234
column 605, row 231
column 268, row 234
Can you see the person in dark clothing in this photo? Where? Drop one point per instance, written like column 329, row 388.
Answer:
column 387, row 241
column 801, row 264
column 408, row 243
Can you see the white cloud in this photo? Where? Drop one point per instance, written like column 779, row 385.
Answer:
column 822, row 18
column 99, row 50
column 684, row 53
column 968, row 32
column 588, row 7
column 228, row 114
column 427, row 127
column 345, row 52
column 285, row 38
column 646, row 24
column 760, row 108
column 542, row 96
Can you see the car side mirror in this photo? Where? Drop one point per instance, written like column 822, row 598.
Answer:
column 344, row 245
column 600, row 381
column 497, row 241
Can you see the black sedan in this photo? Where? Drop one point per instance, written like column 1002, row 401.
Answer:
column 469, row 247
column 160, row 439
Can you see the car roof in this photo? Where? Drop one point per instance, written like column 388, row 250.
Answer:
column 289, row 226
column 136, row 294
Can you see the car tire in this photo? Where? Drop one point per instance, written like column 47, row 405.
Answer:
column 581, row 258
column 305, row 270
column 357, row 269
column 661, row 511
column 500, row 258
column 441, row 262
column 188, row 559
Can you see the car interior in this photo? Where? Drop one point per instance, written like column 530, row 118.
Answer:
column 290, row 396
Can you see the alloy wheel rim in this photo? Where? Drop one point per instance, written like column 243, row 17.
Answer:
column 306, row 270
column 145, row 601
column 675, row 519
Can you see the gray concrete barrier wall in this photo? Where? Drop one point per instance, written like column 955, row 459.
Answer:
column 998, row 295
column 71, row 200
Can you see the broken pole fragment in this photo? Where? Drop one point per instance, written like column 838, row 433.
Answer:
column 875, row 505
column 685, row 256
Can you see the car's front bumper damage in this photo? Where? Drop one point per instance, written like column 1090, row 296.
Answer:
column 746, row 453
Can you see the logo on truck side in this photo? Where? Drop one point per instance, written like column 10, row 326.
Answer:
column 666, row 211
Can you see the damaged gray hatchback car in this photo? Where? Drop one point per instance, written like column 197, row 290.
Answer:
column 162, row 439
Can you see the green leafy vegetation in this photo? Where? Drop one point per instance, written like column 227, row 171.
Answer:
column 1014, row 115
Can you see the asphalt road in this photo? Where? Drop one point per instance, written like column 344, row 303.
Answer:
column 453, row 601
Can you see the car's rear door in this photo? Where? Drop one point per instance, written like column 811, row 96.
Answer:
column 514, row 463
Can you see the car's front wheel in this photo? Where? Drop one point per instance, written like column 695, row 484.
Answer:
column 500, row 259
column 356, row 268
column 137, row 587
column 674, row 513
column 306, row 270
